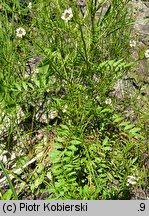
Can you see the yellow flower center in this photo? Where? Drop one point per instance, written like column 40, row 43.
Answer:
column 67, row 15
column 20, row 31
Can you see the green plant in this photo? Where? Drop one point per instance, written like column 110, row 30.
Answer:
column 69, row 92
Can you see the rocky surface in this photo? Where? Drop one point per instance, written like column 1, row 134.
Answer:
column 141, row 12
column 141, row 35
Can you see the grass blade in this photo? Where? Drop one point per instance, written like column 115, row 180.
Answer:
column 9, row 181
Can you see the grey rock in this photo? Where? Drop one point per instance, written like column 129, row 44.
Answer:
column 32, row 64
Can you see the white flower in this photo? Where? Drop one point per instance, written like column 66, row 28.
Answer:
column 133, row 43
column 30, row 5
column 65, row 108
column 98, row 98
column 20, row 32
column 146, row 53
column 67, row 15
column 132, row 180
column 53, row 114
column 108, row 101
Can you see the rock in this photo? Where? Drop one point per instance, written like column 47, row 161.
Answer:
column 32, row 64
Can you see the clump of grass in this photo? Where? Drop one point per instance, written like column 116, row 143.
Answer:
column 81, row 58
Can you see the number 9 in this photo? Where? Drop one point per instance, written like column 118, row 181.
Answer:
column 142, row 206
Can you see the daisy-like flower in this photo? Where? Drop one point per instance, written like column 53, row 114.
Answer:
column 146, row 54
column 30, row 5
column 108, row 101
column 132, row 180
column 20, row 32
column 67, row 15
column 65, row 108
column 132, row 43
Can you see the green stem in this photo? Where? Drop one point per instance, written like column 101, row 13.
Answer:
column 85, row 49
column 93, row 13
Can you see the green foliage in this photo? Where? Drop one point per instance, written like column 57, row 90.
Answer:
column 86, row 169
column 68, row 93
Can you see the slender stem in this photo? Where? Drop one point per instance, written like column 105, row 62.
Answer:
column 93, row 12
column 84, row 46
